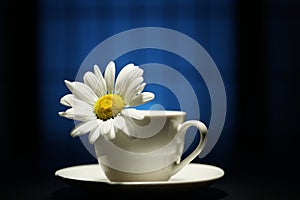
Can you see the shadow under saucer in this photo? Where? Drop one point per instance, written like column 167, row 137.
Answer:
column 71, row 193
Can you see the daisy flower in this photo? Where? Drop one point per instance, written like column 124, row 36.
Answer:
column 101, row 104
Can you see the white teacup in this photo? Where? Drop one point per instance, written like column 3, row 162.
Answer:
column 152, row 151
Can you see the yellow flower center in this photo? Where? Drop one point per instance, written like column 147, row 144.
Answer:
column 108, row 106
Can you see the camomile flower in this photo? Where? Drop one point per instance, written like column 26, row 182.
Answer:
column 101, row 104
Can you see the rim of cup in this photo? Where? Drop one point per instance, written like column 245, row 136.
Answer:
column 153, row 113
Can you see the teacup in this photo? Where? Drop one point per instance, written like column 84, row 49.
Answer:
column 153, row 149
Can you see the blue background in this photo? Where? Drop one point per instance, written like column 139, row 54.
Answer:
column 69, row 30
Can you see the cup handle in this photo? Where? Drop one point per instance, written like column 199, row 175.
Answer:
column 182, row 128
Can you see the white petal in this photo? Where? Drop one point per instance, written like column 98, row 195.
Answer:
column 69, row 85
column 67, row 100
column 140, row 88
column 78, row 114
column 94, row 135
column 127, row 77
column 99, row 75
column 129, row 128
column 119, row 122
column 121, row 77
column 133, row 113
column 131, row 90
column 110, row 76
column 62, row 114
column 84, row 127
column 80, row 111
column 79, row 104
column 66, row 115
column 125, row 125
column 94, row 83
column 112, row 133
column 90, row 79
column 98, row 72
column 141, row 99
column 82, row 92
column 105, row 127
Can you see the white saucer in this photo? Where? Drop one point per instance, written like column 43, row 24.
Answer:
column 91, row 176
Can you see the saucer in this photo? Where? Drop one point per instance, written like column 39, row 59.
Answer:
column 92, row 177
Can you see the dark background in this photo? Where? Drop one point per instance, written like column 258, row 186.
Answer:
column 258, row 148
